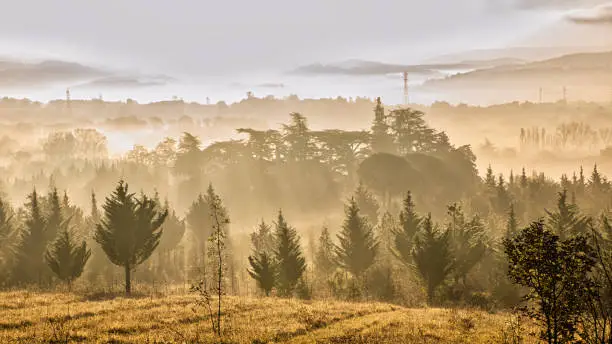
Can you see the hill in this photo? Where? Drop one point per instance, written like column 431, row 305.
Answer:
column 43, row 318
column 587, row 76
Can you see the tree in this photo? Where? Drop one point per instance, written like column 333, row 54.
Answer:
column 432, row 256
column 289, row 257
column 467, row 241
column 381, row 141
column 387, row 175
column 8, row 236
column 217, row 249
column 410, row 223
column 566, row 220
column 263, row 267
column 367, row 203
column 263, row 271
column 30, row 266
column 357, row 247
column 55, row 215
column 511, row 223
column 130, row 230
column 65, row 257
column 324, row 257
column 557, row 274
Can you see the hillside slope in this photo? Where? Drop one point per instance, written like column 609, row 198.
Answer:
column 42, row 318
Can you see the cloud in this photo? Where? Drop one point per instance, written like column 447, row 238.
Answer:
column 598, row 16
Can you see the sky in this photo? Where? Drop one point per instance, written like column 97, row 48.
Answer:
column 205, row 38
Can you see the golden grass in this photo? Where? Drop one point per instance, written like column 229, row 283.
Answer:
column 28, row 317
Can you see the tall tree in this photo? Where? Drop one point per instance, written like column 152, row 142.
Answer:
column 432, row 256
column 566, row 220
column 220, row 258
column 410, row 223
column 511, row 223
column 8, row 236
column 367, row 203
column 289, row 257
column 324, row 258
column 263, row 271
column 30, row 267
column 381, row 141
column 65, row 257
column 55, row 214
column 556, row 272
column 357, row 247
column 130, row 230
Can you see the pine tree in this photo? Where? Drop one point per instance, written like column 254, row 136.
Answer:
column 263, row 239
column 324, row 259
column 65, row 257
column 357, row 246
column 263, row 271
column 174, row 230
column 8, row 236
column 30, row 266
column 511, row 223
column 55, row 215
column 130, row 230
column 289, row 257
column 367, row 203
column 409, row 226
column 490, row 178
column 566, row 220
column 523, row 180
column 381, row 141
column 432, row 256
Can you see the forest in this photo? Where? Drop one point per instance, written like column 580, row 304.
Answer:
column 393, row 214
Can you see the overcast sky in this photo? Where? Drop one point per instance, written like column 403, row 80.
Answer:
column 236, row 36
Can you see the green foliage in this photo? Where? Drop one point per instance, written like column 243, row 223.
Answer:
column 357, row 247
column 263, row 271
column 367, row 203
column 30, row 266
column 289, row 257
column 432, row 256
column 556, row 272
column 566, row 220
column 468, row 242
column 325, row 258
column 65, row 257
column 130, row 230
column 8, row 237
column 410, row 223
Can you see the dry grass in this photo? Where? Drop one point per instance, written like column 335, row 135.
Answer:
column 27, row 317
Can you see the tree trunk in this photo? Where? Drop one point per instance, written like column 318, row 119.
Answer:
column 128, row 280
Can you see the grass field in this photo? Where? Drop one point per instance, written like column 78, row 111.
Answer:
column 29, row 317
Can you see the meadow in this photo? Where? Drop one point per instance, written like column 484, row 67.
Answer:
column 41, row 317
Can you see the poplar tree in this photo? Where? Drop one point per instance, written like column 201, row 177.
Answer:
column 289, row 257
column 130, row 229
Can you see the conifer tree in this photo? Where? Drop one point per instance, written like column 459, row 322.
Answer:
column 174, row 230
column 65, row 257
column 490, row 178
column 324, row 259
column 410, row 223
column 432, row 256
column 30, row 267
column 130, row 230
column 367, row 203
column 382, row 141
column 263, row 268
column 357, row 246
column 289, row 257
column 523, row 180
column 55, row 216
column 8, row 236
column 566, row 220
column 511, row 223
column 263, row 271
